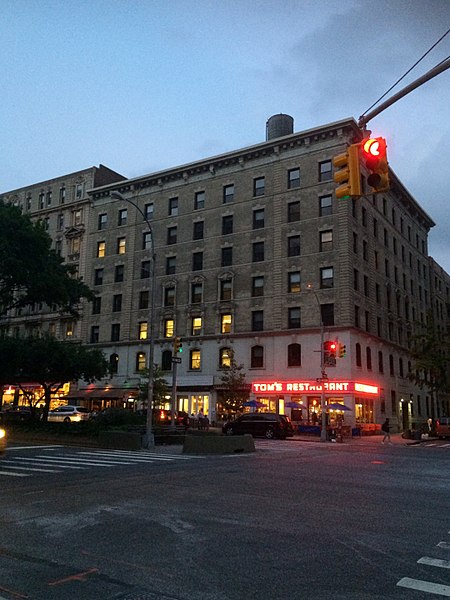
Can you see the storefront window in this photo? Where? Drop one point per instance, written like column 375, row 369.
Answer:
column 364, row 410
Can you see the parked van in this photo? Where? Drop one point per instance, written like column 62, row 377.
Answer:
column 443, row 427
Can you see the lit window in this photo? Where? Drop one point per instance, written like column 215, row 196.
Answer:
column 121, row 245
column 169, row 328
column 143, row 330
column 140, row 361
column 196, row 325
column 101, row 249
column 294, row 280
column 69, row 329
column 225, row 323
column 226, row 355
column 195, row 361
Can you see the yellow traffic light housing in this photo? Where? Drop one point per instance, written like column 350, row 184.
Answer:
column 348, row 174
column 374, row 154
column 177, row 345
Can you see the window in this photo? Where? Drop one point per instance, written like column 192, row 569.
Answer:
column 227, row 224
column 123, row 216
column 294, row 318
column 169, row 328
column 325, row 170
column 119, row 273
column 355, row 280
column 258, row 286
column 327, row 277
column 197, row 261
column 117, row 303
column 259, row 186
column 166, row 360
column 148, row 211
column 199, row 200
column 327, row 314
column 60, row 222
column 171, row 264
column 121, row 245
column 49, row 197
column 225, row 323
column 98, row 277
column 293, row 178
column 69, row 328
column 294, row 281
column 294, row 245
column 101, row 249
column 228, row 193
column 226, row 287
column 358, row 355
column 79, row 190
column 326, row 240
column 141, row 361
column 97, row 305
column 144, row 299
column 173, row 207
column 114, row 363
column 143, row 330
column 294, row 355
column 146, row 240
column 369, row 358
column 325, row 206
column 145, row 269
column 196, row 326
column 169, row 296
column 391, row 365
column 257, row 357
column 115, row 332
column 77, row 217
column 258, row 218
column 227, row 256
column 42, row 200
column 225, row 358
column 195, row 360
column 257, row 320
column 380, row 362
column 102, row 221
column 95, row 334
column 196, row 293
column 198, row 230
column 171, row 235
column 293, row 213
column 62, row 195
column 258, row 251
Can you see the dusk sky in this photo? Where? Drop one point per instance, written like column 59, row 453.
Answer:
column 141, row 86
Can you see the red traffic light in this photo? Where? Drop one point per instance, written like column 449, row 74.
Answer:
column 332, row 346
column 374, row 154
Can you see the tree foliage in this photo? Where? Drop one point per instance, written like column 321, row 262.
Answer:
column 235, row 389
column 160, row 387
column 30, row 271
column 50, row 363
column 431, row 353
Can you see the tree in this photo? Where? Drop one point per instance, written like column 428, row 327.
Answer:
column 431, row 353
column 160, row 387
column 30, row 271
column 49, row 362
column 235, row 390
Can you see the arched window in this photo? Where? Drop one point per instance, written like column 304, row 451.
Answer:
column 369, row 358
column 225, row 358
column 294, row 355
column 114, row 363
column 380, row 362
column 257, row 357
column 358, row 355
column 166, row 360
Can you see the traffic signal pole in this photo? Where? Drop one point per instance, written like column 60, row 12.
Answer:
column 440, row 68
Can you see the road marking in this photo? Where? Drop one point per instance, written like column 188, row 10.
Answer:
column 15, row 466
column 434, row 562
column 425, row 586
column 445, row 545
column 35, row 448
column 14, row 474
column 39, row 461
column 121, row 458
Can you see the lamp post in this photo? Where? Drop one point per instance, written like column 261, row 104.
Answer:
column 150, row 438
column 323, row 374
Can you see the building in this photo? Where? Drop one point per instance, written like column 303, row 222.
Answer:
column 255, row 258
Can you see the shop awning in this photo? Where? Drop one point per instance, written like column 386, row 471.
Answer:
column 111, row 393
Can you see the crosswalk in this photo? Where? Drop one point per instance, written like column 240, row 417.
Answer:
column 51, row 461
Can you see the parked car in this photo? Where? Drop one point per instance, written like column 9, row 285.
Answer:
column 443, row 427
column 19, row 413
column 69, row 414
column 2, row 440
column 268, row 425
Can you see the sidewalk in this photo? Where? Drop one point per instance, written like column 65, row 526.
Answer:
column 396, row 440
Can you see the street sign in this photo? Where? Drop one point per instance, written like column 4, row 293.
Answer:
column 176, row 359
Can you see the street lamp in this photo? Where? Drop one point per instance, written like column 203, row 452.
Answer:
column 323, row 374
column 150, row 438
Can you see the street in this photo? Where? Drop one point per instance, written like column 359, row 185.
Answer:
column 293, row 520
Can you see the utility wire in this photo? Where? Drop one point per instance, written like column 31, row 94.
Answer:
column 408, row 71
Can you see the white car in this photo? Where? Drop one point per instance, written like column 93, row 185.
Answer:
column 68, row 414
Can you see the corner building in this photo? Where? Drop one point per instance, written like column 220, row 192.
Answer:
column 237, row 239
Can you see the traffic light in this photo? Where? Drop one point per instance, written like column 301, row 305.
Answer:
column 348, row 174
column 342, row 350
column 177, row 345
column 329, row 353
column 374, row 156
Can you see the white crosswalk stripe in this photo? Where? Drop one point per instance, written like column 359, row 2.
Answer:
column 57, row 462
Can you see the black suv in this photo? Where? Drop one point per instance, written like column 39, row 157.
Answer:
column 268, row 425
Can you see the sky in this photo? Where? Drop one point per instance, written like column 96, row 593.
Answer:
column 144, row 85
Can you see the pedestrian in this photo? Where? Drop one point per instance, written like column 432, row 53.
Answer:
column 385, row 428
column 201, row 418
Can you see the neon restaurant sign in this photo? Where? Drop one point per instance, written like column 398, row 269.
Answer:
column 309, row 387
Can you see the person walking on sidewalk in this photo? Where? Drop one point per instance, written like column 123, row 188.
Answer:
column 385, row 428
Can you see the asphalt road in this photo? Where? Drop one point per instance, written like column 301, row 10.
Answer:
column 294, row 520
